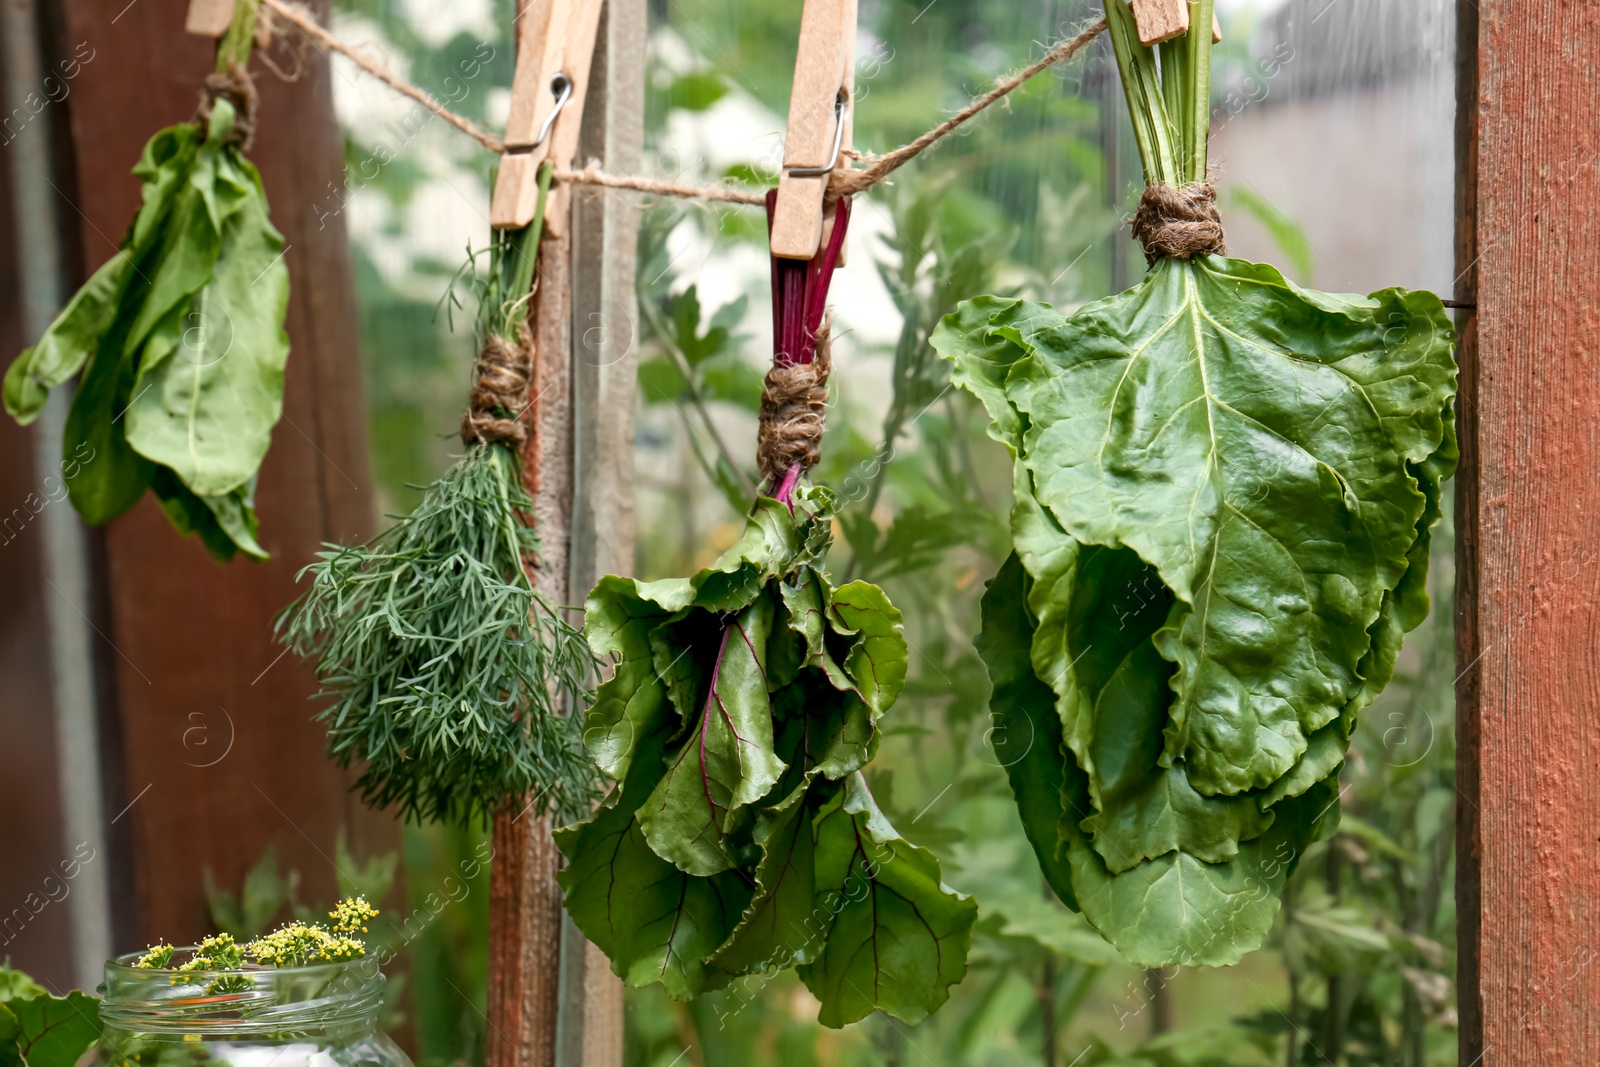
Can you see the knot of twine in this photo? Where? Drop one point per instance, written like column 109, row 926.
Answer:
column 793, row 413
column 235, row 86
column 1179, row 223
column 500, row 384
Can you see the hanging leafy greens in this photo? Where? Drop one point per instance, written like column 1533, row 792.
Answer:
column 179, row 341
column 744, row 705
column 742, row 709
column 1224, row 488
column 453, row 678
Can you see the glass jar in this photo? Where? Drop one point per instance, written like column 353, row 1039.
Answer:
column 324, row 1015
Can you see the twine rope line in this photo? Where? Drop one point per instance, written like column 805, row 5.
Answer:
column 500, row 386
column 235, row 86
column 1179, row 223
column 842, row 181
column 300, row 17
column 794, row 407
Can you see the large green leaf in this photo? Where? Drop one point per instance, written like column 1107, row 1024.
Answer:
column 67, row 343
column 898, row 936
column 782, row 927
column 1024, row 728
column 1254, row 443
column 210, row 383
column 726, row 761
column 52, row 1031
column 1224, row 493
column 656, row 923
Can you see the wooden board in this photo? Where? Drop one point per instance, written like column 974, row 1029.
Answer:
column 210, row 730
column 553, row 1001
column 1528, row 523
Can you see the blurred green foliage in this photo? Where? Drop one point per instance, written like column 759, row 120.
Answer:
column 1028, row 199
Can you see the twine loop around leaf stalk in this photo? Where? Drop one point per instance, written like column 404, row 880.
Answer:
column 499, row 387
column 235, row 86
column 794, row 407
column 1179, row 223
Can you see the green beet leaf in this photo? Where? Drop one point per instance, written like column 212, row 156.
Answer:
column 1224, row 492
column 743, row 704
column 39, row 1030
column 726, row 762
column 656, row 923
column 898, row 936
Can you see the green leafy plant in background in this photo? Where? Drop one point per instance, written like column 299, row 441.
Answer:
column 1225, row 488
column 178, row 342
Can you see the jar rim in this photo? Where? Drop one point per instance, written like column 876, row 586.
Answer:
column 316, row 995
column 125, row 964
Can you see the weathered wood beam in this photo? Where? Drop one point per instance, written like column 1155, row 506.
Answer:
column 185, row 645
column 552, row 998
column 1528, row 528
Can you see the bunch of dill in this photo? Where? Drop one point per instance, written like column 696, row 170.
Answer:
column 453, row 679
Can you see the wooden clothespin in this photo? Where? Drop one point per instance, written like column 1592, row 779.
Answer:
column 209, row 18
column 1162, row 20
column 821, row 110
column 555, row 47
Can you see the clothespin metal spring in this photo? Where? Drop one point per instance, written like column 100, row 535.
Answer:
column 839, row 106
column 561, row 89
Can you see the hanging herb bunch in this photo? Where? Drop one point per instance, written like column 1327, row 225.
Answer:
column 1224, row 491
column 454, row 682
column 743, row 708
column 178, row 342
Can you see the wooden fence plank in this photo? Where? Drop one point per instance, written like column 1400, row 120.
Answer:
column 1529, row 532
column 553, row 1001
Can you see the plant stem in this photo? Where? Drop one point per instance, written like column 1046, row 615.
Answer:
column 1333, row 1014
column 519, row 260
column 1047, row 1009
column 1137, row 65
column 1160, row 1001
column 235, row 44
column 1198, row 97
column 721, row 471
column 1170, row 106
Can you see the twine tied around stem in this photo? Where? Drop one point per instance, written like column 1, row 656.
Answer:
column 500, row 386
column 1179, row 223
column 235, row 86
column 794, row 407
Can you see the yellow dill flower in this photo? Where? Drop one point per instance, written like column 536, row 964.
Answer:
column 159, row 956
column 351, row 915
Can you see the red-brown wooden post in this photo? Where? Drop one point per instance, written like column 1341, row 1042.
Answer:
column 185, row 643
column 553, row 1001
column 1528, row 526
